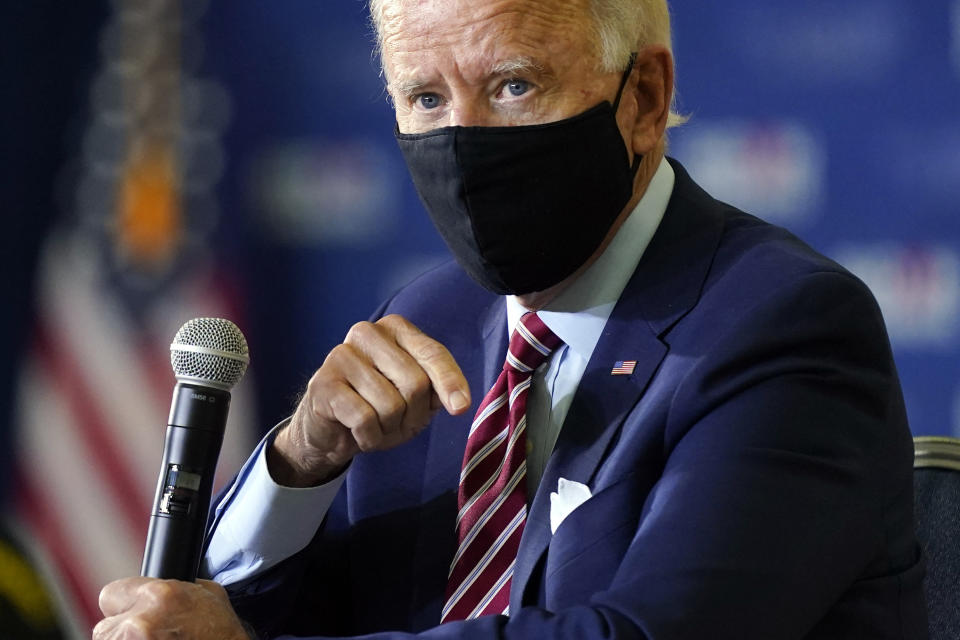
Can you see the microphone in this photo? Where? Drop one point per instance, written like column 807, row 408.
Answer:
column 209, row 356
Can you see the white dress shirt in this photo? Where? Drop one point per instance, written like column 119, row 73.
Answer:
column 267, row 523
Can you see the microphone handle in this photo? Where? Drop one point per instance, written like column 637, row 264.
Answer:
column 198, row 417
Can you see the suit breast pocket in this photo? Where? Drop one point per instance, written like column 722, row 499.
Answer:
column 589, row 545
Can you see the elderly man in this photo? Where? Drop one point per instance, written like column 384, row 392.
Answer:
column 695, row 429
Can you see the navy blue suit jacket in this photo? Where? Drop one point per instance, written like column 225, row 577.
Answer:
column 751, row 479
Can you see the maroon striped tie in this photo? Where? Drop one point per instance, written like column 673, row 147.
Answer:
column 493, row 492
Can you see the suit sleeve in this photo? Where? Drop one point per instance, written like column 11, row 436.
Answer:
column 786, row 479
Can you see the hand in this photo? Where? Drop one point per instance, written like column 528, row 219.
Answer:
column 377, row 390
column 147, row 609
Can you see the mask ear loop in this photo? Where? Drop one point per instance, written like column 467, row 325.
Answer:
column 637, row 158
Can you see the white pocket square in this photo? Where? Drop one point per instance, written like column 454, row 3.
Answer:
column 568, row 496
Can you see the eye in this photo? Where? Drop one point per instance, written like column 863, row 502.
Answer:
column 428, row 101
column 517, row 87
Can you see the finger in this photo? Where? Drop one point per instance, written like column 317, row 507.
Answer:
column 120, row 595
column 105, row 628
column 353, row 411
column 214, row 588
column 379, row 345
column 380, row 392
column 436, row 361
column 125, row 627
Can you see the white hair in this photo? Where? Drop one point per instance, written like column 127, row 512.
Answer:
column 620, row 28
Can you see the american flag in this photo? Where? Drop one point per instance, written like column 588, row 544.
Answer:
column 623, row 367
column 124, row 270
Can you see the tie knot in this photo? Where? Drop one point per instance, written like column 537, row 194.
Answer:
column 530, row 345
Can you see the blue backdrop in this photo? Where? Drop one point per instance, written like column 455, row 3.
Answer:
column 840, row 121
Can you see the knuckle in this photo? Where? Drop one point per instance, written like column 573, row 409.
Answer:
column 158, row 589
column 393, row 321
column 394, row 408
column 332, row 374
column 315, row 390
column 158, row 592
column 368, row 440
column 134, row 628
column 344, row 448
column 367, row 433
column 337, row 357
column 215, row 588
column 104, row 598
column 364, row 417
column 353, row 413
column 360, row 332
column 318, row 387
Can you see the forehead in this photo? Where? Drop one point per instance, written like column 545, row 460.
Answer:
column 482, row 33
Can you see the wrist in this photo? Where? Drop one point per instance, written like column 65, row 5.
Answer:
column 288, row 468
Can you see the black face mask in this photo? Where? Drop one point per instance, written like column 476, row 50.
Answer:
column 521, row 208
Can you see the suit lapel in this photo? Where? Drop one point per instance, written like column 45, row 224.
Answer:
column 483, row 344
column 601, row 403
column 665, row 286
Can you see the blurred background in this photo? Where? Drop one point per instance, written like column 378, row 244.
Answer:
column 165, row 159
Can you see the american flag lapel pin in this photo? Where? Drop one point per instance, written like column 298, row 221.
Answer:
column 623, row 367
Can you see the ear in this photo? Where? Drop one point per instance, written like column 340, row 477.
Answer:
column 651, row 86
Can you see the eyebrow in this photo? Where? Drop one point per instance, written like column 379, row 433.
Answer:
column 512, row 66
column 518, row 65
column 407, row 88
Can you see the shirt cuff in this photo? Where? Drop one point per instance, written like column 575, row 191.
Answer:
column 264, row 523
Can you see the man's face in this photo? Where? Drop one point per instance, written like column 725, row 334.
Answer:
column 491, row 62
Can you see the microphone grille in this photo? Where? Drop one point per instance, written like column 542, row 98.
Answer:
column 211, row 352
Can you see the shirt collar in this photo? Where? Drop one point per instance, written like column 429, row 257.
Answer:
column 577, row 316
